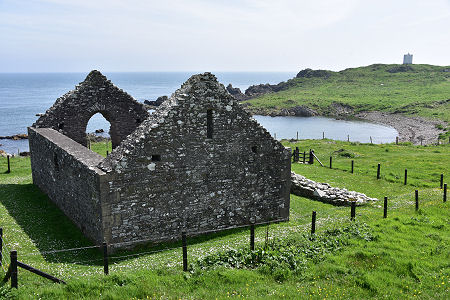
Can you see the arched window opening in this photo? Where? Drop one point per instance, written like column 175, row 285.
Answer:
column 98, row 134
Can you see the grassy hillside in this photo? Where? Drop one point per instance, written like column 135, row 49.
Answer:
column 420, row 89
column 404, row 256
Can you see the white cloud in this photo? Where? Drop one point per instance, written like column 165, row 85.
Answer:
column 215, row 35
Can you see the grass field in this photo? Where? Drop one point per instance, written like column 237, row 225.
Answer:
column 406, row 255
column 419, row 91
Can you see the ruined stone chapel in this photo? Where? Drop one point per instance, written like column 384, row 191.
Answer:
column 199, row 163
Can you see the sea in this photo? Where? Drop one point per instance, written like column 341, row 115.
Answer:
column 23, row 95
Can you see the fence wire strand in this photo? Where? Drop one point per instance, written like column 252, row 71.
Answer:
column 117, row 257
column 143, row 253
column 4, row 247
column 60, row 251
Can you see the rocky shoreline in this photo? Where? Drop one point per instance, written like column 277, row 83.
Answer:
column 416, row 130
column 16, row 137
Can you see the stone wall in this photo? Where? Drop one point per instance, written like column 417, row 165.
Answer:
column 66, row 171
column 190, row 182
column 198, row 163
column 304, row 187
column 96, row 94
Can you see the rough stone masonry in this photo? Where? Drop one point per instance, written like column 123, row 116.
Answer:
column 71, row 113
column 198, row 163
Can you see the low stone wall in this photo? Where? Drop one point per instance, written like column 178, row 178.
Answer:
column 304, row 187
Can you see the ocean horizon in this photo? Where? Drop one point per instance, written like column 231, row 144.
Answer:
column 23, row 95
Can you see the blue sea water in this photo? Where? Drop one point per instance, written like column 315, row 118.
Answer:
column 23, row 95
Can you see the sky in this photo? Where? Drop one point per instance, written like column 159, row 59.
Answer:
column 219, row 35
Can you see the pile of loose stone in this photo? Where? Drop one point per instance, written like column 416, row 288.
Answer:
column 301, row 186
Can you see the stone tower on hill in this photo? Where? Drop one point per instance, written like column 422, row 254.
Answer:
column 407, row 59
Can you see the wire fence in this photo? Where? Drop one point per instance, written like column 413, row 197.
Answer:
column 308, row 157
column 7, row 260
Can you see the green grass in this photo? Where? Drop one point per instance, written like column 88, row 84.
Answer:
column 369, row 88
column 408, row 257
column 425, row 164
column 102, row 147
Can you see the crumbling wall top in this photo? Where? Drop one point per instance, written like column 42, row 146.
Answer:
column 201, row 89
column 96, row 94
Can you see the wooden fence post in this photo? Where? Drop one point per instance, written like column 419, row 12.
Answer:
column 313, row 223
column 378, row 171
column 304, row 157
column 184, row 245
column 296, row 154
column 385, row 208
column 105, row 259
column 417, row 199
column 353, row 211
column 252, row 237
column 353, row 163
column 107, row 152
column 1, row 245
column 348, row 138
column 267, row 237
column 323, row 135
column 442, row 180
column 406, row 176
column 331, row 162
column 13, row 256
column 311, row 157
column 9, row 165
column 396, row 140
column 445, row 193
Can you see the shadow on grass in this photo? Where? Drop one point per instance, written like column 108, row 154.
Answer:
column 49, row 229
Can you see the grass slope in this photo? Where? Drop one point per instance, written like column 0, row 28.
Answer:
column 371, row 88
column 408, row 256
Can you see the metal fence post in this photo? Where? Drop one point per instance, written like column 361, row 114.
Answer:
column 313, row 223
column 9, row 165
column 417, row 199
column 353, row 211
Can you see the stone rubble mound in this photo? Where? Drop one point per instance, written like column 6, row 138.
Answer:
column 304, row 187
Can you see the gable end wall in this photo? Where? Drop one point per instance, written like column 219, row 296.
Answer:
column 199, row 183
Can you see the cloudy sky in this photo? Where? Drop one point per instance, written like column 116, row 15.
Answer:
column 219, row 35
